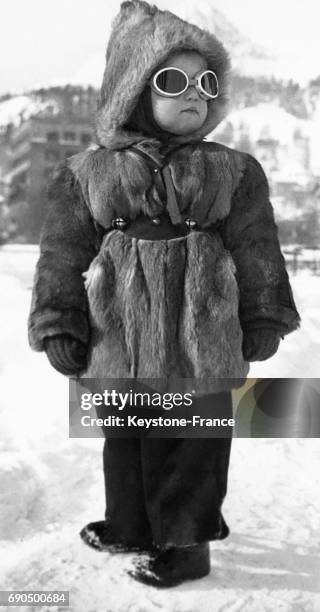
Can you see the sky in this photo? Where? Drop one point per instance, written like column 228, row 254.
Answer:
column 44, row 42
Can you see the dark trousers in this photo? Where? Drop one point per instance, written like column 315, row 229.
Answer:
column 169, row 490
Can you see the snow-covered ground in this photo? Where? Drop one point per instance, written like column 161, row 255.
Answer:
column 50, row 486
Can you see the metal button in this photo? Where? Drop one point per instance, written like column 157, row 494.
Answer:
column 119, row 223
column 156, row 221
column 155, row 170
column 191, row 224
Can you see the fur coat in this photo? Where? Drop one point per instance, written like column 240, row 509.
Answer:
column 159, row 305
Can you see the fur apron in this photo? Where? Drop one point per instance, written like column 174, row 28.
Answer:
column 164, row 308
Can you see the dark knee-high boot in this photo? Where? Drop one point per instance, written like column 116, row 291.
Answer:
column 126, row 526
column 185, row 481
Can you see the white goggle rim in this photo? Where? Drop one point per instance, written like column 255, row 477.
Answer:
column 196, row 82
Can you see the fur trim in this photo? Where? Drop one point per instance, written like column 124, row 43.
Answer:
column 142, row 38
column 119, row 183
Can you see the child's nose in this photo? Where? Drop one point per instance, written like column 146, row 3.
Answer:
column 191, row 93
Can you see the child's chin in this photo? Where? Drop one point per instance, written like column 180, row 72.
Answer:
column 186, row 129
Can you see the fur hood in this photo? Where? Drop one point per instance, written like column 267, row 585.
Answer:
column 142, row 37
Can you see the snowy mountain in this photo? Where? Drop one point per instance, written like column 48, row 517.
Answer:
column 21, row 107
column 248, row 58
column 267, row 120
column 295, row 154
column 208, row 17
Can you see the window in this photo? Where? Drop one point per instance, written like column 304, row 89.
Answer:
column 53, row 136
column 85, row 138
column 69, row 136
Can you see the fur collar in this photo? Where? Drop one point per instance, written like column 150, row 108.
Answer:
column 119, row 183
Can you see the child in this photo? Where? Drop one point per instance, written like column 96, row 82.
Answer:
column 184, row 279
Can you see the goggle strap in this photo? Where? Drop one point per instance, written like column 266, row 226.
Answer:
column 172, row 204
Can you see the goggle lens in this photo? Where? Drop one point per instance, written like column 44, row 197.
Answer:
column 209, row 84
column 171, row 81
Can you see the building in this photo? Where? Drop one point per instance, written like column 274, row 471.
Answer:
column 6, row 227
column 37, row 146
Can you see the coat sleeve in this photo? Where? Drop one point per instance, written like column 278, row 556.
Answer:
column 68, row 243
column 251, row 235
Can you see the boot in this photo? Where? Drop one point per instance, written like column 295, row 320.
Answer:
column 172, row 566
column 100, row 535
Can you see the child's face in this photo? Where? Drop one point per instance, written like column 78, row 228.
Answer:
column 187, row 112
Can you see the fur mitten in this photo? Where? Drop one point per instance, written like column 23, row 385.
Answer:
column 260, row 344
column 66, row 354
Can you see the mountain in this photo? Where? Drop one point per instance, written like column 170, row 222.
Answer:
column 63, row 101
column 254, row 70
column 208, row 17
column 19, row 108
column 248, row 58
column 268, row 120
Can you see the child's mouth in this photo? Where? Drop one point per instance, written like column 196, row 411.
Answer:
column 190, row 110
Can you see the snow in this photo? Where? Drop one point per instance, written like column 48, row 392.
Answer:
column 268, row 120
column 52, row 485
column 315, row 141
column 296, row 140
column 20, row 107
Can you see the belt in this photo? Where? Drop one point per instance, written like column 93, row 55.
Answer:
column 153, row 228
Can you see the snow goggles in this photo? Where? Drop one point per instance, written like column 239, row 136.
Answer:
column 171, row 82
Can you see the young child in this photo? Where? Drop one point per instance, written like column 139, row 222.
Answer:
column 184, row 279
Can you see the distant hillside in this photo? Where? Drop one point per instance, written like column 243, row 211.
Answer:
column 56, row 100
column 250, row 91
column 245, row 92
column 253, row 77
column 239, row 46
